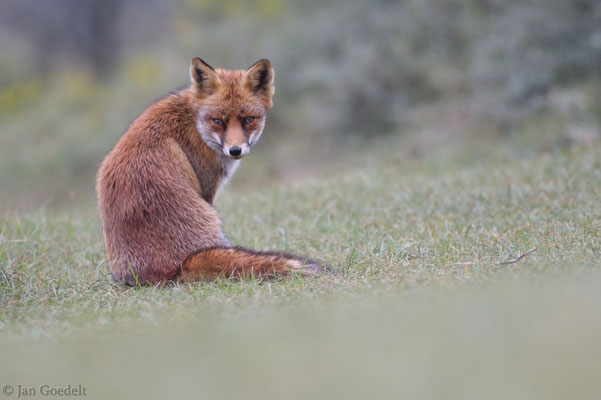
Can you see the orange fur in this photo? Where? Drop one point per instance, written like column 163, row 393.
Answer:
column 236, row 262
column 155, row 189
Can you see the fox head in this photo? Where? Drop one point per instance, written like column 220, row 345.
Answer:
column 232, row 105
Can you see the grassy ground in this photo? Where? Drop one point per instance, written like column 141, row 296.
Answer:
column 422, row 307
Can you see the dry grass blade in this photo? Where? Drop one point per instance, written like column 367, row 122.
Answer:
column 518, row 258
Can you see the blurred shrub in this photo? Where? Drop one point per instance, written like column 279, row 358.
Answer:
column 531, row 46
column 19, row 96
column 356, row 66
column 71, row 80
column 351, row 67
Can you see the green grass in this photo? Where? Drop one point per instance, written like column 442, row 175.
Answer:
column 421, row 307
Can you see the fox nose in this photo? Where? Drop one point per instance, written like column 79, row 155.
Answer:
column 235, row 151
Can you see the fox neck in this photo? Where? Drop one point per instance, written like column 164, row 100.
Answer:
column 228, row 165
column 212, row 168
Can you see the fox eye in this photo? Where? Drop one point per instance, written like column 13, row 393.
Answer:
column 249, row 120
column 217, row 121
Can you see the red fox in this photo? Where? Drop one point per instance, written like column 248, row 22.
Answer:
column 156, row 187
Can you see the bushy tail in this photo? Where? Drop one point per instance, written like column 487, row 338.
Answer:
column 208, row 264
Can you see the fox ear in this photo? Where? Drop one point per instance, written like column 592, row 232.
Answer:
column 259, row 80
column 204, row 78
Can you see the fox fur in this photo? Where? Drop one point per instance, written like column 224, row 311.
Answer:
column 156, row 187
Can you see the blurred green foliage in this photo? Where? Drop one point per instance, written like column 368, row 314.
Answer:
column 19, row 96
column 74, row 74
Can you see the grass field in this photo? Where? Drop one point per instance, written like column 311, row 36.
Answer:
column 430, row 300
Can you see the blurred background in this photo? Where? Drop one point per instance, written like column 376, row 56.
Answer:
column 352, row 77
